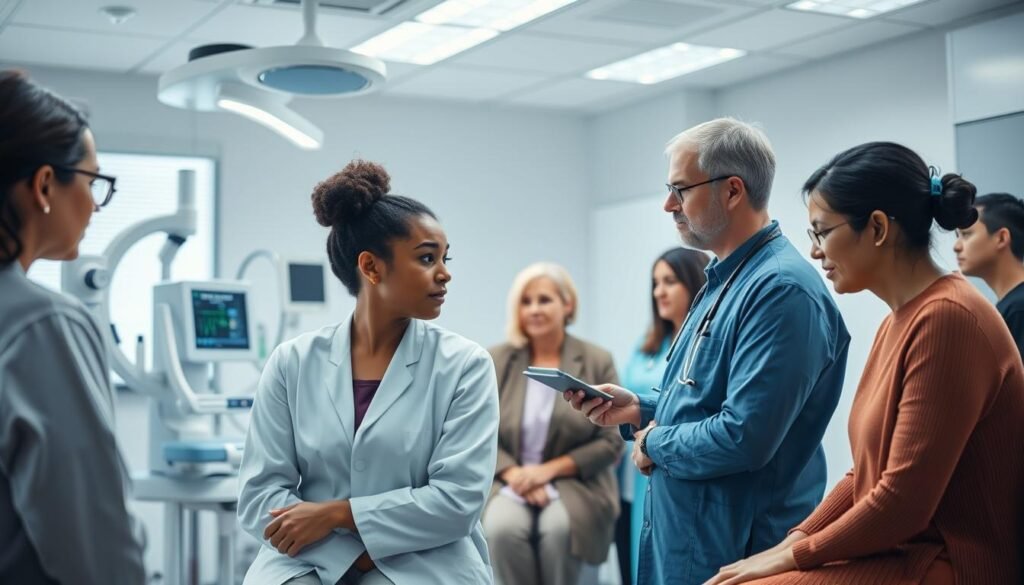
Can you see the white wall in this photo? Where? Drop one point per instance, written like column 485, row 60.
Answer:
column 987, row 69
column 894, row 92
column 507, row 185
column 625, row 145
column 621, row 270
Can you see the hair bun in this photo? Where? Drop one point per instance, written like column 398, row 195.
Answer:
column 345, row 195
column 954, row 209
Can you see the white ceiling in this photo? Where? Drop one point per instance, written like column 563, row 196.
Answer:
column 540, row 64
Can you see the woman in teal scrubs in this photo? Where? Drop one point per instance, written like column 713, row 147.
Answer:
column 676, row 277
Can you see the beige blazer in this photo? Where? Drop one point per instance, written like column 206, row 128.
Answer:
column 592, row 498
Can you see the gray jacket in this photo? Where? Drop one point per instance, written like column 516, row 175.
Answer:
column 62, row 480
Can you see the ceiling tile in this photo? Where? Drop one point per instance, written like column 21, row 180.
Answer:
column 398, row 71
column 153, row 17
column 939, row 12
column 7, row 10
column 170, row 57
column 591, row 20
column 575, row 93
column 348, row 31
column 83, row 50
column 656, row 13
column 735, row 71
column 268, row 26
column 538, row 65
column 448, row 81
column 847, row 39
column 769, row 29
column 758, row 2
column 544, row 54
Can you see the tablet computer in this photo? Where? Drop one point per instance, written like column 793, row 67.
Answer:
column 561, row 381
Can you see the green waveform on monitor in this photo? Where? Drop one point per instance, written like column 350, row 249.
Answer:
column 213, row 322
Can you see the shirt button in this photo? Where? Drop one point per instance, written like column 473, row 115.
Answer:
column 648, row 488
column 647, row 523
column 360, row 465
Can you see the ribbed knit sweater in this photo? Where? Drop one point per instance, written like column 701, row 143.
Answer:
column 937, row 433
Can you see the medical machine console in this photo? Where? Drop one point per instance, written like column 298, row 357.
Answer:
column 212, row 317
column 304, row 286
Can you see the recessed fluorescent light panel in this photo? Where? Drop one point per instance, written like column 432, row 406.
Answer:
column 501, row 15
column 664, row 63
column 852, row 8
column 423, row 44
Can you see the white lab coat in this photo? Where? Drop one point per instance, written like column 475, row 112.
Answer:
column 417, row 472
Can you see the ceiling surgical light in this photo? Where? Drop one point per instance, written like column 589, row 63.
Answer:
column 258, row 83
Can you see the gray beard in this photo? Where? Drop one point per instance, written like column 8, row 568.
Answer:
column 701, row 238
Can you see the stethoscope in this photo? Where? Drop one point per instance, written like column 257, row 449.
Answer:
column 705, row 323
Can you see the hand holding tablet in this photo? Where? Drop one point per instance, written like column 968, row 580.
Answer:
column 561, row 381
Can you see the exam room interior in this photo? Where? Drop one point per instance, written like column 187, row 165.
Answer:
column 524, row 159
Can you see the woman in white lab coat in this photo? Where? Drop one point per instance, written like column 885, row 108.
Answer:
column 372, row 443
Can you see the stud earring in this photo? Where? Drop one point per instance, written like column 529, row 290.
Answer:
column 46, row 209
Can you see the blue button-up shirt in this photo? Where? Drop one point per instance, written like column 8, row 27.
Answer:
column 738, row 456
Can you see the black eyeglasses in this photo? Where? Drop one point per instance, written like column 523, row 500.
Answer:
column 102, row 186
column 678, row 190
column 818, row 237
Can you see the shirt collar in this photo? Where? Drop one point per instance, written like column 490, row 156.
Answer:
column 718, row 270
column 14, row 267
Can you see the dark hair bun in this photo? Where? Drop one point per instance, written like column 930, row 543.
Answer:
column 345, row 195
column 954, row 209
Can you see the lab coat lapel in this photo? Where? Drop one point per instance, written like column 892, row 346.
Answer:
column 339, row 379
column 398, row 376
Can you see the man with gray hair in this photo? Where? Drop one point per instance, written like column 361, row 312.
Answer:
column 732, row 444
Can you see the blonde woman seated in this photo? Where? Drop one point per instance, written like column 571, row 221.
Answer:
column 554, row 500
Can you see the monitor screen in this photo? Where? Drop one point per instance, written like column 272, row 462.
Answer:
column 306, row 283
column 220, row 319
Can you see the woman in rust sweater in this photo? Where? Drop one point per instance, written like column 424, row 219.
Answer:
column 937, row 425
